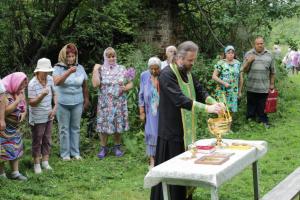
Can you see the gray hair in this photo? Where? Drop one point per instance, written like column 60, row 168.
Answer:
column 154, row 61
column 170, row 47
column 185, row 47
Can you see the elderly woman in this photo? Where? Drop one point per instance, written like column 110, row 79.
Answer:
column 170, row 53
column 148, row 103
column 112, row 114
column 227, row 75
column 41, row 114
column 72, row 91
column 11, row 142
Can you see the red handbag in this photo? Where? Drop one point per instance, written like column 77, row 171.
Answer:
column 271, row 103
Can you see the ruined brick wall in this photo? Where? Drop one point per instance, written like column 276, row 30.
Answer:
column 164, row 31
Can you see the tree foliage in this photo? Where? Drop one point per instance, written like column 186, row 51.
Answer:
column 234, row 22
column 37, row 28
column 33, row 29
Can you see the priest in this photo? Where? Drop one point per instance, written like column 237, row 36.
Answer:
column 182, row 98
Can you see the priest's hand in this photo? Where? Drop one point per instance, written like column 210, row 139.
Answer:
column 217, row 108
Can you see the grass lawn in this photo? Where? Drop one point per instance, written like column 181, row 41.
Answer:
column 122, row 178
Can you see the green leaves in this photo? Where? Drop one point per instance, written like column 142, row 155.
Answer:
column 33, row 29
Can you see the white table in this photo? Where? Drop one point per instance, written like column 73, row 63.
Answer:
column 177, row 171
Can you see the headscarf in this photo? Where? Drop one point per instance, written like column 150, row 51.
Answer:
column 13, row 81
column 106, row 63
column 228, row 48
column 62, row 57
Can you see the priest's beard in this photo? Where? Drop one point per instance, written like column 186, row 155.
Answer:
column 186, row 68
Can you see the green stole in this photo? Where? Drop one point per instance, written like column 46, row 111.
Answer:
column 189, row 118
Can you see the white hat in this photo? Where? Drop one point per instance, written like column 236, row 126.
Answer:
column 43, row 65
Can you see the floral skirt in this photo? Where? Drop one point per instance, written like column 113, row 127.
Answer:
column 112, row 114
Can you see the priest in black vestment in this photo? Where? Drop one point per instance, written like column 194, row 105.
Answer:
column 180, row 94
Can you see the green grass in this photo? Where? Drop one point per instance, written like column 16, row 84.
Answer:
column 283, row 147
column 122, row 178
column 112, row 178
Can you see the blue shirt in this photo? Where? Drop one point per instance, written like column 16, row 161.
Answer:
column 70, row 92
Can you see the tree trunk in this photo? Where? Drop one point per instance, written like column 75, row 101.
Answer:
column 35, row 48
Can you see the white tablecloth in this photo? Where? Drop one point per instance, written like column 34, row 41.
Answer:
column 186, row 172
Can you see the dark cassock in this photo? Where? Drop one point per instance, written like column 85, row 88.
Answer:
column 180, row 94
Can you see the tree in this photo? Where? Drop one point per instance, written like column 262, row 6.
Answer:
column 34, row 29
column 214, row 24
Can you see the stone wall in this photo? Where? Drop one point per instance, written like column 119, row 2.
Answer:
column 163, row 32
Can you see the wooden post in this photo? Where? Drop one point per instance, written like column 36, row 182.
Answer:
column 166, row 191
column 255, row 180
column 214, row 193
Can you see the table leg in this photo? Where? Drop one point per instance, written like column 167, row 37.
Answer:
column 166, row 191
column 255, row 180
column 214, row 193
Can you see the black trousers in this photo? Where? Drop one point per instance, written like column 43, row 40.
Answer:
column 166, row 150
column 256, row 103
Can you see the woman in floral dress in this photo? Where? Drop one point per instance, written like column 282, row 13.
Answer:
column 112, row 115
column 227, row 75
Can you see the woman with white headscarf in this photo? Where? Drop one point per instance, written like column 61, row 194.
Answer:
column 148, row 103
column 112, row 113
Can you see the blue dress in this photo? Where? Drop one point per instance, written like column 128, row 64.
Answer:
column 149, row 99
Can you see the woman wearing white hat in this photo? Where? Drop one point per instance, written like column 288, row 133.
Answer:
column 41, row 113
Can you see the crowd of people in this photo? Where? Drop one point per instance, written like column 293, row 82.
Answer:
column 170, row 100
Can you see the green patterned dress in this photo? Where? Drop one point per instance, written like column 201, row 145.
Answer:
column 229, row 73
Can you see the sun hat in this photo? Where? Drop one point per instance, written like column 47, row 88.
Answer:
column 43, row 65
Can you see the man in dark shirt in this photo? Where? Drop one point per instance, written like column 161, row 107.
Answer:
column 173, row 102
